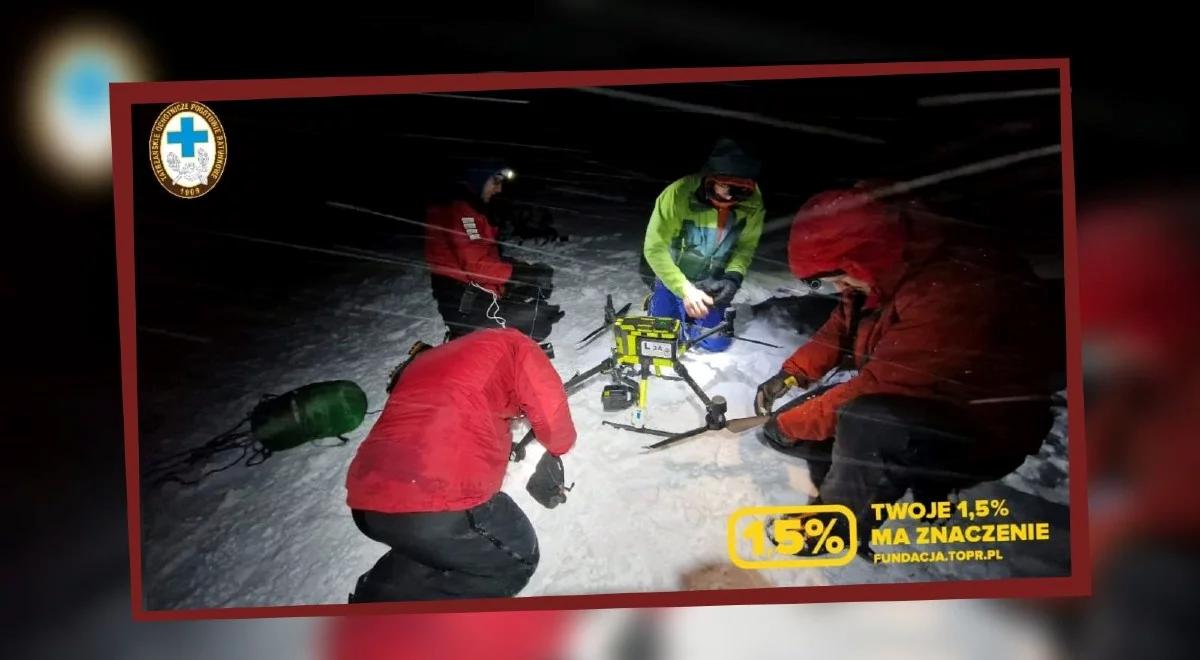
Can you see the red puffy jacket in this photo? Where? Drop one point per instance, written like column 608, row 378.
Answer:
column 460, row 244
column 943, row 320
column 443, row 439
column 537, row 635
column 1136, row 262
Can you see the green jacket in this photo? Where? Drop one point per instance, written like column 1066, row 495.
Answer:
column 681, row 242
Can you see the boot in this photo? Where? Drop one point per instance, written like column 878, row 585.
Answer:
column 543, row 323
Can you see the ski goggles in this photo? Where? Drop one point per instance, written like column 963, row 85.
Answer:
column 739, row 188
column 815, row 280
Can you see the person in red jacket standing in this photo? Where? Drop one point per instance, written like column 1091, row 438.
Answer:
column 426, row 480
column 474, row 286
column 952, row 343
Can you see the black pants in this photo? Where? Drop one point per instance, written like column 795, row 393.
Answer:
column 465, row 309
column 489, row 551
column 886, row 444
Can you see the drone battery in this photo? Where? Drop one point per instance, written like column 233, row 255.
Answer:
column 618, row 397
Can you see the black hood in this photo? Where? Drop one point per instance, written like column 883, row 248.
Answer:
column 729, row 159
column 476, row 173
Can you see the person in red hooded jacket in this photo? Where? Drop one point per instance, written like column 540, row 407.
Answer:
column 1138, row 258
column 426, row 480
column 952, row 346
column 474, row 286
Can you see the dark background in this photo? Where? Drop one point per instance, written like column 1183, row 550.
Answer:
column 202, row 270
column 391, row 149
column 1134, row 127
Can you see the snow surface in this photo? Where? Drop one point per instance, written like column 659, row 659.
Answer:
column 280, row 533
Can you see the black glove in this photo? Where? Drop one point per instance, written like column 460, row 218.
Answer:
column 721, row 289
column 773, row 388
column 546, row 484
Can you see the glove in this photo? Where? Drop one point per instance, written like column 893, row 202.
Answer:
column 773, row 388
column 722, row 289
column 695, row 302
column 546, row 484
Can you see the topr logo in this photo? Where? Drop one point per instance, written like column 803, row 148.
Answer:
column 188, row 149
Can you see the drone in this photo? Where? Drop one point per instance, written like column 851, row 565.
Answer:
column 642, row 348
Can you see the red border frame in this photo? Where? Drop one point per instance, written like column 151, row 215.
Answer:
column 124, row 95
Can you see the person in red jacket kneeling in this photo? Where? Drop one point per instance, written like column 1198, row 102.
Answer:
column 426, row 480
column 953, row 344
column 474, row 286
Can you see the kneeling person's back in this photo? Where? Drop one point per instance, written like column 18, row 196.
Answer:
column 443, row 439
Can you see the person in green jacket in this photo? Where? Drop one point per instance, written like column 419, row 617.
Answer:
column 701, row 238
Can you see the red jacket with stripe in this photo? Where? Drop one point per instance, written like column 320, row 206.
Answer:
column 460, row 243
column 443, row 439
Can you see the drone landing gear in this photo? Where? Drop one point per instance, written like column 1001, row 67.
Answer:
column 714, row 417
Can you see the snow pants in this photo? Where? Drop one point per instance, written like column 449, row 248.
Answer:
column 489, row 551
column 885, row 444
column 466, row 309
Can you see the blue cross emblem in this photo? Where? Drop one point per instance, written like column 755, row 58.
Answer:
column 187, row 137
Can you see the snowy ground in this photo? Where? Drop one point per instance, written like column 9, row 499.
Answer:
column 280, row 533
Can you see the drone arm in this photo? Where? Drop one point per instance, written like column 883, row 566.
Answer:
column 573, row 385
column 687, row 378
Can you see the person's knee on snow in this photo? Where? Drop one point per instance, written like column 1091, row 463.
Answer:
column 928, row 326
column 440, row 555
